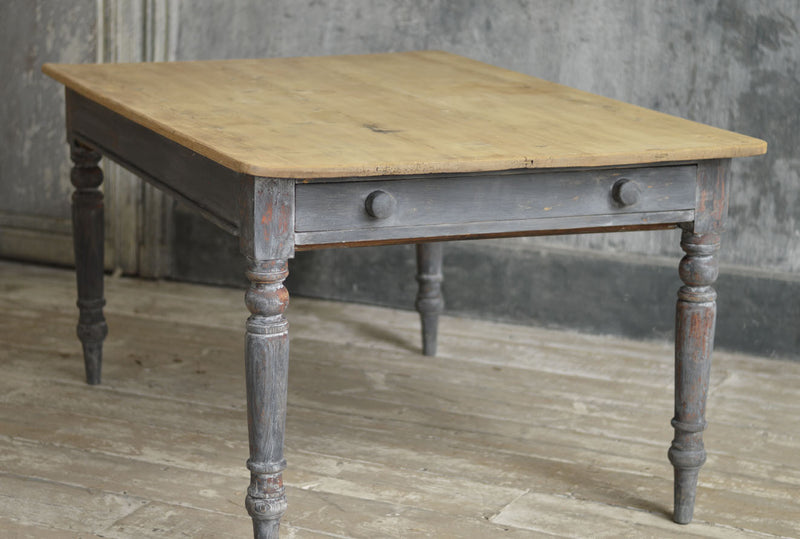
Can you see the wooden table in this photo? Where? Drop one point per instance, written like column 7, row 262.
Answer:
column 303, row 153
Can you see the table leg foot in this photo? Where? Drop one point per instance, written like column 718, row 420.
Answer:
column 266, row 369
column 265, row 529
column 685, row 490
column 430, row 302
column 92, row 361
column 88, row 238
column 694, row 341
column 266, row 503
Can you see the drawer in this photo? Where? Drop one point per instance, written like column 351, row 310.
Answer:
column 520, row 197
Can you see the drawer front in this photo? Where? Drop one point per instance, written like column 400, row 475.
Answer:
column 433, row 201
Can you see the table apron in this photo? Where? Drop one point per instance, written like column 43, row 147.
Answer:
column 335, row 213
column 202, row 184
column 493, row 205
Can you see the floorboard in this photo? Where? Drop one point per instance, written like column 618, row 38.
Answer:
column 510, row 431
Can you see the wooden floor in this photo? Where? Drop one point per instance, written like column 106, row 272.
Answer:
column 510, row 432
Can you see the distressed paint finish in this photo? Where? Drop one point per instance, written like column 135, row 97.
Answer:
column 266, row 371
column 267, row 241
column 88, row 236
column 430, row 302
column 695, row 323
column 694, row 341
column 460, row 206
column 712, row 196
column 267, row 218
column 522, row 195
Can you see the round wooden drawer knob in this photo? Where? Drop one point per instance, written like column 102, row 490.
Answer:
column 626, row 192
column 380, row 204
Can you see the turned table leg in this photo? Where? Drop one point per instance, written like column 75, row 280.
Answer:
column 267, row 369
column 88, row 237
column 430, row 302
column 694, row 341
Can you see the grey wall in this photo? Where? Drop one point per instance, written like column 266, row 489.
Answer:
column 34, row 164
column 33, row 157
column 729, row 63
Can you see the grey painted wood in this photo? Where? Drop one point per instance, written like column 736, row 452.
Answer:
column 430, row 302
column 266, row 372
column 88, row 236
column 380, row 204
column 266, row 222
column 470, row 198
column 503, row 228
column 266, row 216
column 695, row 323
column 204, row 185
column 694, row 340
column 711, row 196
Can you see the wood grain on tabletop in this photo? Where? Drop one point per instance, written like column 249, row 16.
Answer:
column 388, row 114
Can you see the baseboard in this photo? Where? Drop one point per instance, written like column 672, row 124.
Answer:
column 43, row 246
column 628, row 295
column 598, row 294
